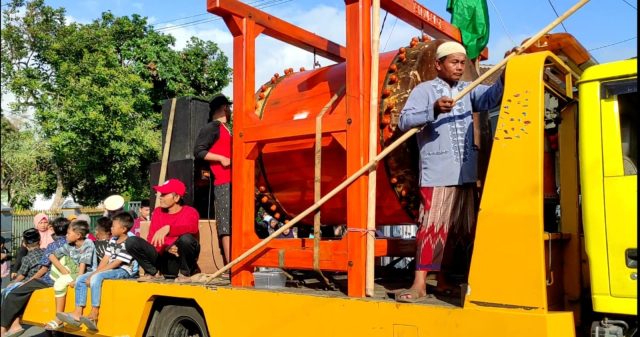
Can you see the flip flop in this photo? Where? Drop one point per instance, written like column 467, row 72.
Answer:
column 53, row 325
column 15, row 333
column 91, row 324
column 415, row 296
column 68, row 319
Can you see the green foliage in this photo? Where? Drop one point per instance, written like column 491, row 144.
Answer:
column 97, row 90
column 24, row 165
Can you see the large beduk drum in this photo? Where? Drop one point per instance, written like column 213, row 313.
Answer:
column 285, row 170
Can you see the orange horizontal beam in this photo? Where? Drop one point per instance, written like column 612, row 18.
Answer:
column 295, row 129
column 413, row 13
column 298, row 253
column 280, row 29
column 395, row 247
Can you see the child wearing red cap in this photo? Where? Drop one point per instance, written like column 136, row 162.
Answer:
column 171, row 247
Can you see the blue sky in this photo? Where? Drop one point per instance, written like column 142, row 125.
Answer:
column 599, row 23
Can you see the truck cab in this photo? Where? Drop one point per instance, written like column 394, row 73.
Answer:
column 608, row 147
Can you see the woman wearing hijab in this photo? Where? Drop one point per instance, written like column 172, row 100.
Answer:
column 41, row 224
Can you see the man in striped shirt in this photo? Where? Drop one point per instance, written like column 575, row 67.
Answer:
column 117, row 263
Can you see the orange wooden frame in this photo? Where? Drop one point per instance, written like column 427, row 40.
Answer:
column 245, row 24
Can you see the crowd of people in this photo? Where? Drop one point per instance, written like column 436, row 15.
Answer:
column 64, row 254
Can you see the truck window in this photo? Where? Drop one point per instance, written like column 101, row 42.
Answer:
column 627, row 105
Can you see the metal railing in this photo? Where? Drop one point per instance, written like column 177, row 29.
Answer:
column 23, row 220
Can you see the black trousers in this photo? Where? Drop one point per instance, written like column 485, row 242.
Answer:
column 15, row 303
column 168, row 264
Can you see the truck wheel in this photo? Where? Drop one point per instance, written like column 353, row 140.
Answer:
column 181, row 321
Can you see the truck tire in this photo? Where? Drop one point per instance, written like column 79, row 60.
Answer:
column 181, row 321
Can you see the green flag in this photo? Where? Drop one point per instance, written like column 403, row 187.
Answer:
column 472, row 18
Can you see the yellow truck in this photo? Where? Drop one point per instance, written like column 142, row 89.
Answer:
column 578, row 280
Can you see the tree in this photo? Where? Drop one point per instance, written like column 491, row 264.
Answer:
column 24, row 165
column 96, row 91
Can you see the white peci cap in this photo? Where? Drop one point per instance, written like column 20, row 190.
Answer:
column 448, row 48
column 113, row 202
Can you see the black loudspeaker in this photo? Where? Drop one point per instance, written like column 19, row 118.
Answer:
column 195, row 175
column 191, row 114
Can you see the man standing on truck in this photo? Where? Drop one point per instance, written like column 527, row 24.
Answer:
column 448, row 158
column 214, row 146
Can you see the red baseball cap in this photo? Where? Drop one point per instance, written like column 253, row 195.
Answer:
column 171, row 186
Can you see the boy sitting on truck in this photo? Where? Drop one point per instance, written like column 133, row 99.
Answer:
column 14, row 304
column 116, row 264
column 68, row 262
column 30, row 262
column 103, row 235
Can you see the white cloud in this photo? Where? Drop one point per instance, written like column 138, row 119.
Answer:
column 68, row 19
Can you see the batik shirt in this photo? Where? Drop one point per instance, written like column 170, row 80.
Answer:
column 448, row 156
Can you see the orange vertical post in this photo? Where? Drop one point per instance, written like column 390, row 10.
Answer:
column 244, row 31
column 358, row 84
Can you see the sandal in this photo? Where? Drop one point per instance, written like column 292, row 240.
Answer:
column 15, row 333
column 53, row 325
column 68, row 320
column 410, row 296
column 90, row 323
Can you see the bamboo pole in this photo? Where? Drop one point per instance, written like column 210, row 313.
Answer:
column 317, row 181
column 373, row 149
column 165, row 149
column 373, row 162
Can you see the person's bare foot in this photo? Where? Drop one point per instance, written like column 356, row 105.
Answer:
column 182, row 279
column 149, row 277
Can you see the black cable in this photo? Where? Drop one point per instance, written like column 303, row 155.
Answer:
column 632, row 6
column 613, row 44
column 554, row 10
column 383, row 21
column 391, row 32
column 265, row 4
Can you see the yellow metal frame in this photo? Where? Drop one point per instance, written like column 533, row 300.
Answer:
column 249, row 312
column 508, row 263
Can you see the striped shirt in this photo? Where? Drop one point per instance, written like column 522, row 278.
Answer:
column 118, row 251
column 101, row 247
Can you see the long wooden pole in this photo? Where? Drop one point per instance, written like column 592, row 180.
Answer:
column 317, row 183
column 373, row 149
column 373, row 162
column 166, row 148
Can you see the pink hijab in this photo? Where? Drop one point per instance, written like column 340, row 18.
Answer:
column 46, row 236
